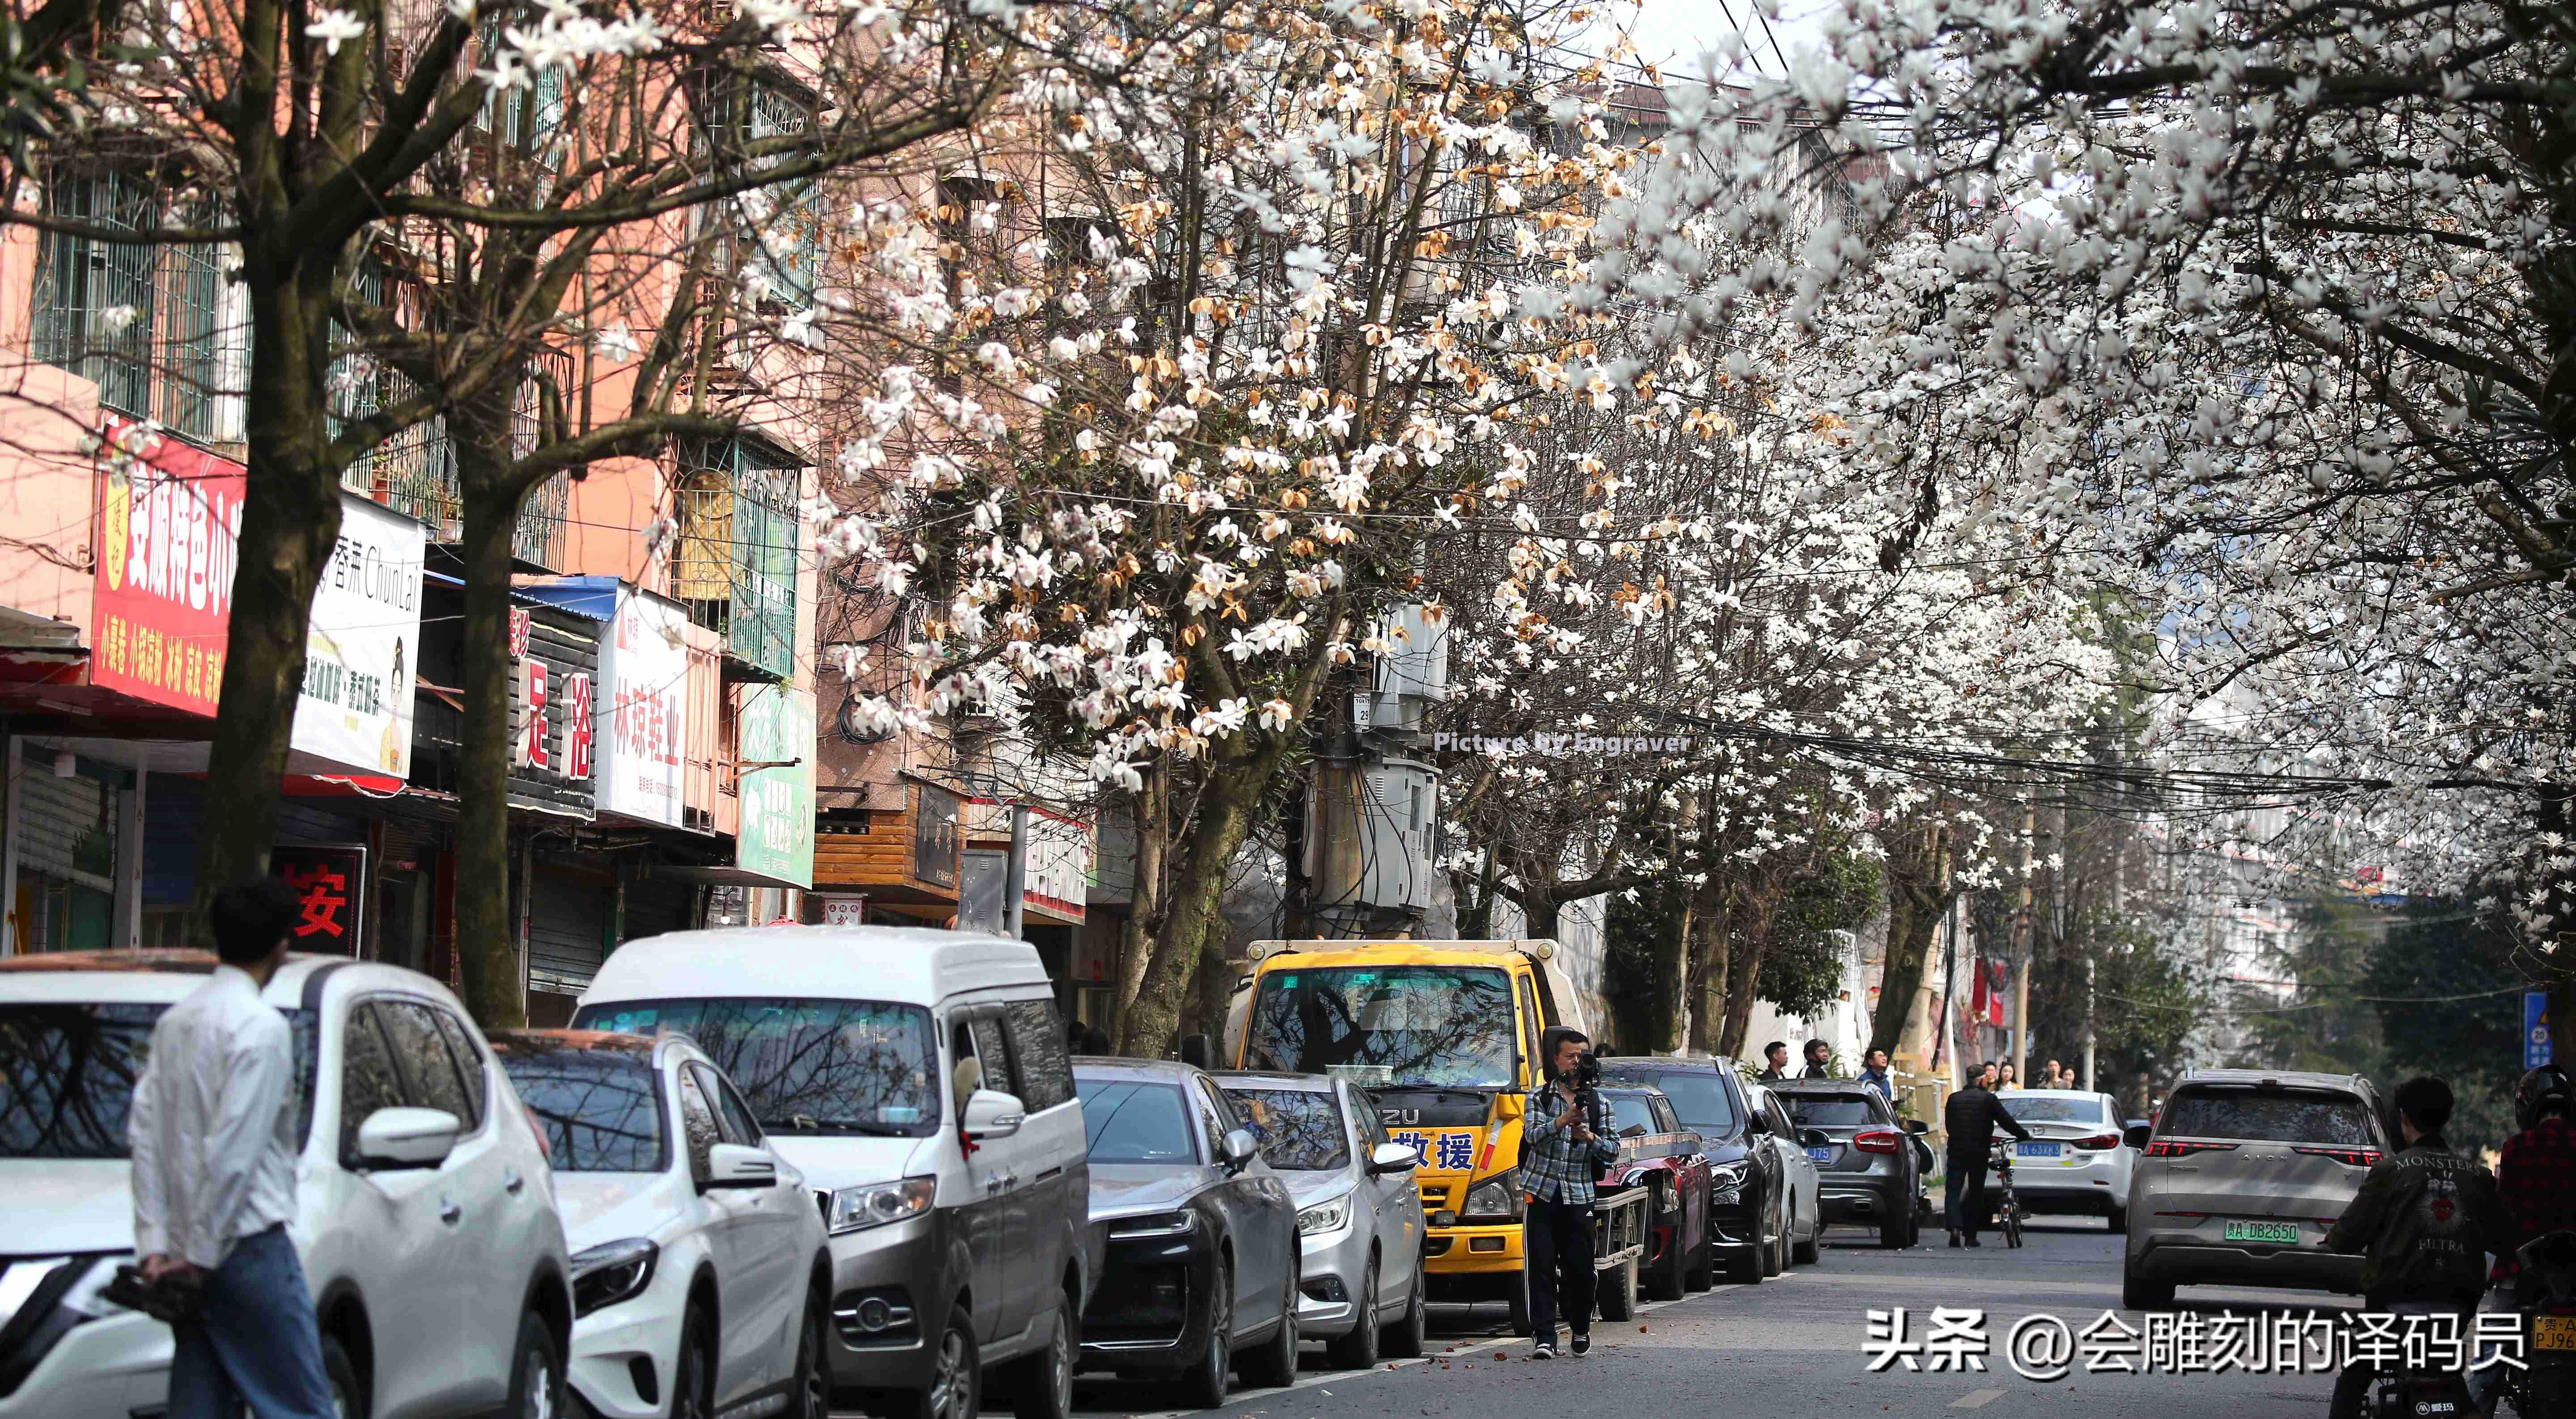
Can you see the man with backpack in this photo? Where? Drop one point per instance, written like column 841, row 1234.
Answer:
column 1565, row 1142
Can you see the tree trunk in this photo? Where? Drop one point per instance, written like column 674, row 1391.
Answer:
column 1749, row 935
column 1223, row 821
column 1541, row 915
column 1918, row 891
column 487, row 947
column 290, row 525
column 1709, row 963
column 1672, row 969
column 1148, row 813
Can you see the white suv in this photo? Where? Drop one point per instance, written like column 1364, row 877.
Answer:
column 425, row 1208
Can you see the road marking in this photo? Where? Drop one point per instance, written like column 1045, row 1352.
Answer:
column 1976, row 1399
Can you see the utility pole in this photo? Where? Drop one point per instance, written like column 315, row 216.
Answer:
column 2022, row 942
column 1015, row 873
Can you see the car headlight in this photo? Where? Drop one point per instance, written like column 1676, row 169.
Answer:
column 1726, row 1182
column 1154, row 1224
column 1496, row 1199
column 1327, row 1216
column 853, row 1209
column 611, row 1272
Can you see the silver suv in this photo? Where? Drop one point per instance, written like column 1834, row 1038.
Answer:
column 2243, row 1173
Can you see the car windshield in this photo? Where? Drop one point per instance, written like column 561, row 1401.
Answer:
column 1629, row 1111
column 806, row 1066
column 2268, row 1115
column 68, row 1071
column 1830, row 1110
column 1699, row 1099
column 1387, row 1025
column 1129, row 1122
column 601, row 1108
column 1299, row 1130
column 2026, row 1109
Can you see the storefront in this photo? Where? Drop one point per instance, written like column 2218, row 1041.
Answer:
column 899, row 866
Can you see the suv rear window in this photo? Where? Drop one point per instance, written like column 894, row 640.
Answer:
column 1829, row 1110
column 2268, row 1115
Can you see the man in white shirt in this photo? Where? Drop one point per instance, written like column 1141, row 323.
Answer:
column 212, row 1132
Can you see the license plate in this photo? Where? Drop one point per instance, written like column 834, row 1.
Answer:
column 2553, row 1332
column 2263, row 1232
column 1821, row 1155
column 2035, row 1150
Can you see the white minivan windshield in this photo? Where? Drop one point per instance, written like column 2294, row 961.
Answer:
column 807, row 1066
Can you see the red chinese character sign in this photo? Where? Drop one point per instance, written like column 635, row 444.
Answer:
column 168, row 529
column 330, row 884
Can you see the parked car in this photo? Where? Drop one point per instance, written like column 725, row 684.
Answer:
column 1869, row 1172
column 2074, row 1161
column 424, row 1206
column 1749, row 1184
column 1657, row 1152
column 919, row 1080
column 1359, row 1219
column 2245, row 1172
column 1802, row 1212
column 1199, row 1235
column 700, row 1279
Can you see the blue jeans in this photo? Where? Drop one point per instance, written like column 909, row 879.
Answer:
column 254, row 1340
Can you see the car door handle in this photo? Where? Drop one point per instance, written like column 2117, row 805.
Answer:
column 449, row 1212
column 512, row 1183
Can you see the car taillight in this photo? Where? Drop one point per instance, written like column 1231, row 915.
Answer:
column 2349, row 1157
column 2175, row 1148
column 1878, row 1140
column 2099, row 1141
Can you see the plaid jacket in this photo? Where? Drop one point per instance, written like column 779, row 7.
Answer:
column 2537, row 1176
column 1555, row 1168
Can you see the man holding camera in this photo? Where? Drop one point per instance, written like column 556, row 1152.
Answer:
column 1564, row 1145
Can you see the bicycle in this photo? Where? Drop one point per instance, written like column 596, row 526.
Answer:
column 2007, row 1204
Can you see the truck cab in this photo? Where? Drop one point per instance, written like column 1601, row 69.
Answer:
column 1444, row 1037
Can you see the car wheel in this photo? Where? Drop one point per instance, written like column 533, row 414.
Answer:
column 1206, row 1383
column 348, row 1396
column 1358, row 1350
column 1409, row 1337
column 1810, row 1251
column 693, row 1371
column 2137, row 1293
column 1775, row 1243
column 1619, row 1291
column 1042, row 1384
column 536, row 1371
column 813, row 1379
column 1274, row 1365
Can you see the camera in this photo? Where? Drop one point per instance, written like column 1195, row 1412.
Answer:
column 1587, row 1070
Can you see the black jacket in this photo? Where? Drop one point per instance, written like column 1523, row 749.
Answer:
column 2425, row 1219
column 1817, row 1071
column 1971, row 1118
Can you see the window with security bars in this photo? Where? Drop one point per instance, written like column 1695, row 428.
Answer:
column 735, row 562
column 778, row 229
column 145, row 321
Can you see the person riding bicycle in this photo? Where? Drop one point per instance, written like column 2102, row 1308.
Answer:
column 2424, row 1220
column 1970, row 1119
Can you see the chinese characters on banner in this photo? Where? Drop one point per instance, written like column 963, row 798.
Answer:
column 169, row 523
column 1447, row 1150
column 644, row 663
column 775, row 836
column 330, row 883
column 365, row 639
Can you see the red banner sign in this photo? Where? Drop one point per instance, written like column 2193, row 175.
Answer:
column 169, row 533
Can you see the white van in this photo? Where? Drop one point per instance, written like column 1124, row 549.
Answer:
column 921, row 1082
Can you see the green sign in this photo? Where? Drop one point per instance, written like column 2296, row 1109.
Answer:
column 775, row 731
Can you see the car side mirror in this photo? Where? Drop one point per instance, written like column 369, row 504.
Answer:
column 1388, row 1158
column 1509, row 1106
column 2135, row 1135
column 1238, row 1148
column 1814, row 1138
column 740, row 1165
column 1634, row 1130
column 1916, row 1125
column 990, row 1113
column 407, row 1138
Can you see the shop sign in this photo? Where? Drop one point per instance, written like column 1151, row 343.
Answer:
column 330, row 885
column 774, row 742
column 169, row 527
column 645, row 664
column 934, row 836
column 364, row 639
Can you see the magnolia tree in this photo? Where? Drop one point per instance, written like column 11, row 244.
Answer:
column 1192, row 387
column 519, row 169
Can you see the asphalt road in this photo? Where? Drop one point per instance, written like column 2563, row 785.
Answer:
column 1792, row 1347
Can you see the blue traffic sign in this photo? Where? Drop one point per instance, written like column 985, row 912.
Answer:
column 2535, row 1029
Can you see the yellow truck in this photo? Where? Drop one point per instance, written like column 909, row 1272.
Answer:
column 1445, row 1036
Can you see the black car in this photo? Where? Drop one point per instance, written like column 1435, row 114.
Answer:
column 1748, row 1197
column 1868, row 1169
column 1198, row 1235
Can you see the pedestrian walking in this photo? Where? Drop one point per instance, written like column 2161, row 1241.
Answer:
column 1820, row 1060
column 212, row 1136
column 1970, row 1119
column 1775, row 1059
column 1565, row 1145
column 2006, row 1079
